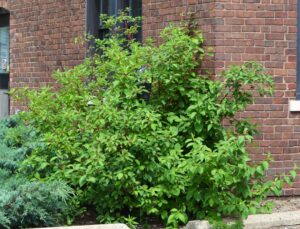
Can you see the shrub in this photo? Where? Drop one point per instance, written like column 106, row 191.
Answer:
column 169, row 155
column 24, row 203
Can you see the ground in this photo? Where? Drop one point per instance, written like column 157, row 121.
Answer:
column 282, row 204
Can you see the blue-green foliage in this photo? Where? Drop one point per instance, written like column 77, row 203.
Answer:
column 24, row 203
column 16, row 141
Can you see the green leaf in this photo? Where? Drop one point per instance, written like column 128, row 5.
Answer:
column 120, row 175
column 92, row 179
column 293, row 174
column 82, row 180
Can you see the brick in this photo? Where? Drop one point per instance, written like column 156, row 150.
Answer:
column 284, row 128
column 278, row 29
column 251, row 28
column 290, row 51
column 192, row 2
column 255, row 50
column 265, row 30
column 274, row 21
column 278, row 114
column 40, row 37
column 265, row 14
column 275, row 36
column 234, row 21
column 255, row 21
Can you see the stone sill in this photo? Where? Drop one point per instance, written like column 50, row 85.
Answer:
column 294, row 105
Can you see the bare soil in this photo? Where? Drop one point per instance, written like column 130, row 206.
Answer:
column 283, row 204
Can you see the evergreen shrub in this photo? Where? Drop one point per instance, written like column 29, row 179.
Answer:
column 24, row 203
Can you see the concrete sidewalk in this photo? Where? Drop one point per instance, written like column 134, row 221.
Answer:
column 260, row 221
column 100, row 226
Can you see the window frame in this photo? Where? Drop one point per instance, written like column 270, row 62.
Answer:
column 94, row 9
column 5, row 25
column 298, row 54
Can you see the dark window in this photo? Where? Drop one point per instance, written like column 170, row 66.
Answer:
column 4, row 49
column 109, row 7
column 4, row 62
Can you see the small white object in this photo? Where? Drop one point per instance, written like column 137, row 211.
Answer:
column 294, row 105
column 90, row 103
column 4, row 104
column 4, row 64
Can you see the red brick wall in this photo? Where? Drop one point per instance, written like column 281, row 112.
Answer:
column 265, row 30
column 42, row 39
column 242, row 30
column 157, row 14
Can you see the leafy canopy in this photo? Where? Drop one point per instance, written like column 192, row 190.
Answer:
column 137, row 130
